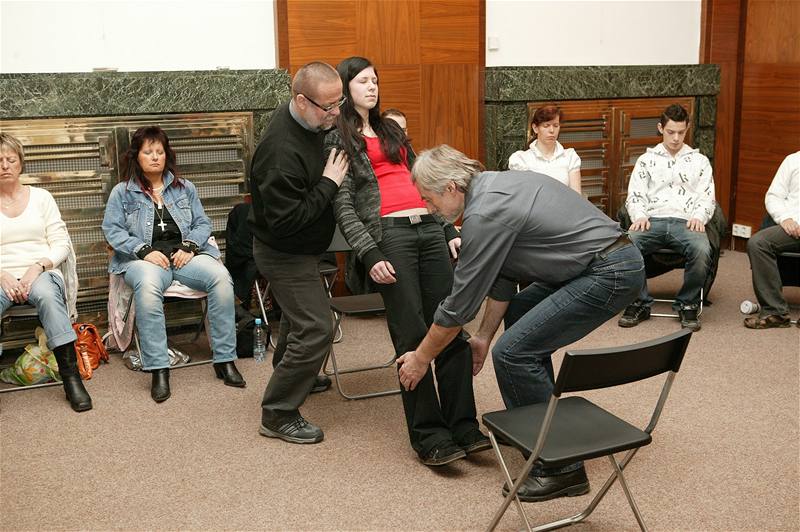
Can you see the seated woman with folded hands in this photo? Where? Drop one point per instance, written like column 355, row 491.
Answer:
column 33, row 244
column 159, row 233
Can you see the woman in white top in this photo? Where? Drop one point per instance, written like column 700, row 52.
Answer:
column 33, row 243
column 545, row 154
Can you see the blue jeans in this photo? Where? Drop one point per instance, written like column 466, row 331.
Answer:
column 201, row 273
column 672, row 233
column 48, row 296
column 543, row 318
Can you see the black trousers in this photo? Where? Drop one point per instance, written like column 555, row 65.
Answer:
column 424, row 275
column 296, row 285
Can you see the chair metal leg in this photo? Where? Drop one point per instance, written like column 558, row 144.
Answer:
column 510, row 482
column 263, row 309
column 577, row 518
column 32, row 387
column 336, row 373
column 624, row 485
column 665, row 315
column 204, row 304
column 328, row 284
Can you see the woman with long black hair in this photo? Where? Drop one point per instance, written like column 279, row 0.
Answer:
column 405, row 251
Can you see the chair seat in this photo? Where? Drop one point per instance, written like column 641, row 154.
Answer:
column 21, row 311
column 358, row 305
column 580, row 430
column 181, row 291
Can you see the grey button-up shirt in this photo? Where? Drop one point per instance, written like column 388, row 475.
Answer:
column 521, row 226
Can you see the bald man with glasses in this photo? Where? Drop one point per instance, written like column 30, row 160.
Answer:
column 292, row 186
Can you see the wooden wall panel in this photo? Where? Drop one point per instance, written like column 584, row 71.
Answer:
column 721, row 44
column 401, row 88
column 770, row 130
column 449, row 93
column 770, row 103
column 388, row 31
column 773, row 31
column 450, row 31
column 320, row 30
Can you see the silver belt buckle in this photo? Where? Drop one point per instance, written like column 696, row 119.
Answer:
column 415, row 219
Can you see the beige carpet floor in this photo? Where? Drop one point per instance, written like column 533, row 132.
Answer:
column 724, row 456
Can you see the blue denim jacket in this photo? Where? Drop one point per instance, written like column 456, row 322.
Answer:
column 129, row 217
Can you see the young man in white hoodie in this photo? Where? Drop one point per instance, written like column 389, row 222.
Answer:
column 670, row 201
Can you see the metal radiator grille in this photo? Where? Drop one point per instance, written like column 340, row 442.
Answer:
column 644, row 127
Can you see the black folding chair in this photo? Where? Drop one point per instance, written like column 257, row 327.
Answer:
column 358, row 305
column 565, row 431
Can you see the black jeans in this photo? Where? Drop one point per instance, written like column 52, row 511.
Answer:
column 295, row 283
column 424, row 275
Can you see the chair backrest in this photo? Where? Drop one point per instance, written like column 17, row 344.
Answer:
column 339, row 243
column 591, row 369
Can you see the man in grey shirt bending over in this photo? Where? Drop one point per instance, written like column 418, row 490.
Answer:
column 523, row 226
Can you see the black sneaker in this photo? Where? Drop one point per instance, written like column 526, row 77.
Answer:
column 689, row 318
column 442, row 453
column 634, row 314
column 294, row 429
column 321, row 384
column 474, row 441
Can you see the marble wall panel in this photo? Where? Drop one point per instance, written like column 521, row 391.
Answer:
column 128, row 93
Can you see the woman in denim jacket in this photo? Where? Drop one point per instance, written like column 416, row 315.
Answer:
column 159, row 232
column 405, row 251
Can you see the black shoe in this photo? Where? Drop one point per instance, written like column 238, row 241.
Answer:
column 634, row 314
column 294, row 429
column 229, row 374
column 321, row 384
column 159, row 389
column 76, row 394
column 474, row 441
column 443, row 453
column 537, row 489
column 689, row 318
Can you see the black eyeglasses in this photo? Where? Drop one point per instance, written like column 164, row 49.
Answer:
column 328, row 108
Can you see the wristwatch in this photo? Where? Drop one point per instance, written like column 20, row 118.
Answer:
column 189, row 246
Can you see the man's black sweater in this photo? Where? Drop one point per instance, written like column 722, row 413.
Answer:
column 292, row 209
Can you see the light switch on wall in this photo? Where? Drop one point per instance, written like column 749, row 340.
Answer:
column 494, row 44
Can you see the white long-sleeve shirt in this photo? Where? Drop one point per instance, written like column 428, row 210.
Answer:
column 37, row 233
column 662, row 186
column 783, row 197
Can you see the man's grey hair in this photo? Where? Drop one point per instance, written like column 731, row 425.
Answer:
column 435, row 168
column 311, row 76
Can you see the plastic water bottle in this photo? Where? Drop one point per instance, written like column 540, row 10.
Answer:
column 259, row 342
column 748, row 307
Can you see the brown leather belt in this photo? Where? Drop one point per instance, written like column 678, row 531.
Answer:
column 621, row 242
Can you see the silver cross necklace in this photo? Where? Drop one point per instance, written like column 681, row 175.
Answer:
column 161, row 224
column 160, row 209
